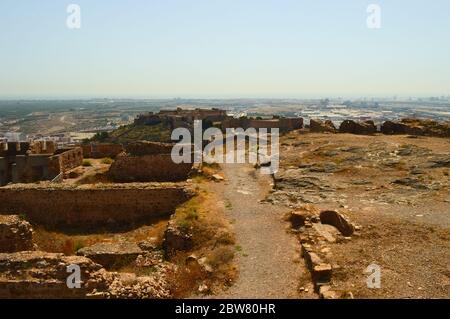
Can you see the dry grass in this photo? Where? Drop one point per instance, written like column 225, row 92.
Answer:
column 60, row 242
column 212, row 239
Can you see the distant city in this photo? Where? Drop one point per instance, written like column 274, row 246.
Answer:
column 67, row 122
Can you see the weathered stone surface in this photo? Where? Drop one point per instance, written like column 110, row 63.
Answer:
column 130, row 286
column 148, row 245
column 148, row 168
column 15, row 234
column 217, row 178
column 337, row 220
column 328, row 232
column 319, row 126
column 56, row 205
column 301, row 215
column 141, row 148
column 325, row 292
column 111, row 255
column 176, row 239
column 37, row 274
column 320, row 270
column 416, row 127
column 362, row 128
column 101, row 150
column 391, row 127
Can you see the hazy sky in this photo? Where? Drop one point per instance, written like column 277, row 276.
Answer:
column 224, row 48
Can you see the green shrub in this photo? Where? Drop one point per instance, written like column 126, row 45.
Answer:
column 87, row 163
column 107, row 160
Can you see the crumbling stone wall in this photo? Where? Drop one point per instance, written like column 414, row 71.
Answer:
column 68, row 158
column 31, row 164
column 148, row 168
column 148, row 148
column 36, row 274
column 43, row 147
column 14, row 148
column 57, row 205
column 284, row 124
column 101, row 150
column 15, row 234
column 148, row 162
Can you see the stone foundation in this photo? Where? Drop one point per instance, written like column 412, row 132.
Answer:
column 56, row 205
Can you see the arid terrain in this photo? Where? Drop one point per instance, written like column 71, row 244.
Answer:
column 395, row 188
column 140, row 225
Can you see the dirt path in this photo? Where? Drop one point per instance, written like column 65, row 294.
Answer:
column 267, row 255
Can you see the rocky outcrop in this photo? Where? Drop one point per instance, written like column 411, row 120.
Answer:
column 426, row 127
column 361, row 128
column 318, row 126
column 417, row 127
column 111, row 255
column 16, row 234
column 391, row 127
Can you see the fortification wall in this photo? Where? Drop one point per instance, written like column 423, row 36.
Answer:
column 43, row 147
column 14, row 148
column 101, row 150
column 148, row 168
column 67, row 159
column 284, row 124
column 148, row 148
column 99, row 205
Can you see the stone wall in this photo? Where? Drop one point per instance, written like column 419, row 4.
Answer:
column 13, row 148
column 15, row 234
column 148, row 148
column 284, row 124
column 43, row 147
column 148, row 168
column 101, row 150
column 57, row 205
column 69, row 158
column 36, row 274
column 35, row 164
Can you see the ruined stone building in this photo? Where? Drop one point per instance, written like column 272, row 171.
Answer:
column 25, row 163
column 181, row 118
column 148, row 162
column 185, row 118
column 283, row 124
